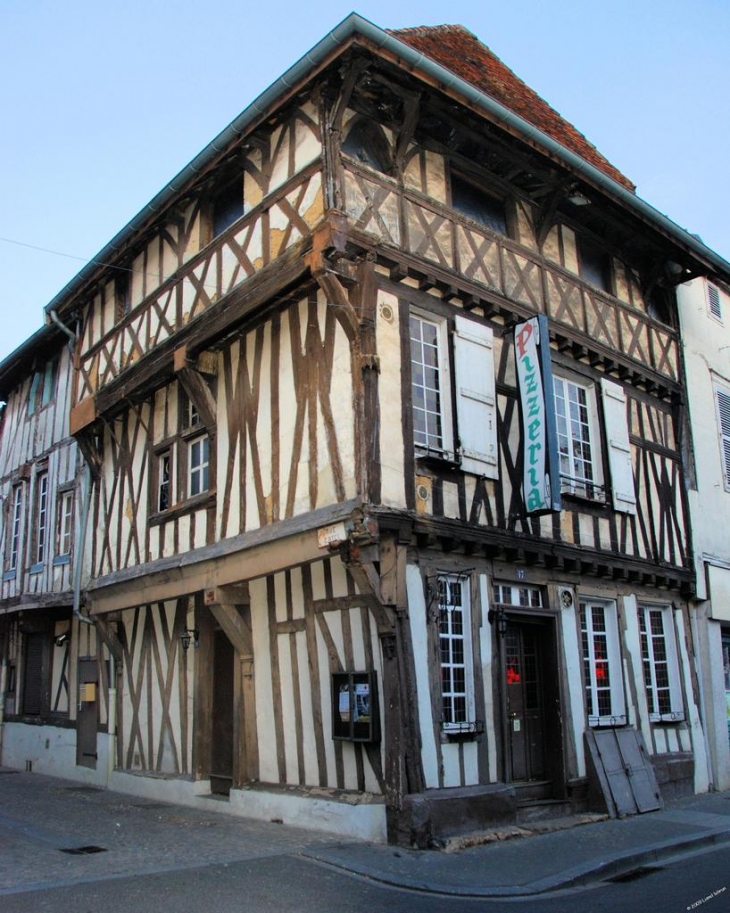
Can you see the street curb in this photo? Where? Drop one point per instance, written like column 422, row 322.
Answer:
column 579, row 876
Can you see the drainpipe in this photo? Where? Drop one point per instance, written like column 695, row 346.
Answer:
column 111, row 722
column 3, row 685
column 80, row 542
column 62, row 326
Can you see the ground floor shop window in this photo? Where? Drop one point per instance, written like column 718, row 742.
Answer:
column 455, row 653
column 659, row 660
column 602, row 664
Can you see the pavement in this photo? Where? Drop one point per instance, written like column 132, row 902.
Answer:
column 56, row 832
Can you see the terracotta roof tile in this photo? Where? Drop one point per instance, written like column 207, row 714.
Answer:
column 457, row 49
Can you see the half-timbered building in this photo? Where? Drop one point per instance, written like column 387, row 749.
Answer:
column 44, row 644
column 383, row 407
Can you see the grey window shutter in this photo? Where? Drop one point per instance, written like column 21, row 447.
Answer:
column 476, row 407
column 619, row 448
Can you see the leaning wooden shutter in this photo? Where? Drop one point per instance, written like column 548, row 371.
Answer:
column 723, row 415
column 619, row 448
column 476, row 407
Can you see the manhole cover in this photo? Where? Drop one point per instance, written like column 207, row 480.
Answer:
column 81, row 789
column 83, row 850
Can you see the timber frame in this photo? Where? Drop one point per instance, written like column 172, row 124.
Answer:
column 303, row 520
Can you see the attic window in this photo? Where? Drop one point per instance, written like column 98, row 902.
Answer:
column 476, row 203
column 227, row 207
column 594, row 264
column 366, row 142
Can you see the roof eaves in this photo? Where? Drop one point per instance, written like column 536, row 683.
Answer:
column 334, row 43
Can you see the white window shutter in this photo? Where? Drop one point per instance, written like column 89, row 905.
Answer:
column 713, row 295
column 723, row 415
column 619, row 448
column 476, row 406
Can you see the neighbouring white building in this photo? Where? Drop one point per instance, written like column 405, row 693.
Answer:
column 704, row 309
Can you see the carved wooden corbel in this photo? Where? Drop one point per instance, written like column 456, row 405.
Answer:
column 191, row 373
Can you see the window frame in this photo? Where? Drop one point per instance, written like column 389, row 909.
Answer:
column 369, row 145
column 200, row 467
column 590, row 489
column 177, row 449
column 586, row 249
column 65, row 522
column 41, row 517
column 588, row 634
column 446, row 448
column 15, row 530
column 459, row 659
column 482, row 193
column 224, row 206
column 650, row 662
column 43, row 386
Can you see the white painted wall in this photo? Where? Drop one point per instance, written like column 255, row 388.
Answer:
column 706, row 350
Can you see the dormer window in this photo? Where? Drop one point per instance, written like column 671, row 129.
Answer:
column 477, row 204
column 366, row 143
column 227, row 207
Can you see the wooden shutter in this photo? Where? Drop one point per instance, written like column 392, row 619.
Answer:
column 476, row 407
column 723, row 417
column 619, row 448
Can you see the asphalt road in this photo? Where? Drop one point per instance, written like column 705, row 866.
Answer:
column 294, row 884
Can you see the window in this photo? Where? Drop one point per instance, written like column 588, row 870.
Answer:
column 366, row 142
column 198, row 465
column 430, row 386
column 714, row 301
column 65, row 522
column 602, row 664
column 659, row 659
column 43, row 386
column 515, row 595
column 182, row 466
column 722, row 401
column 431, row 392
column 122, row 293
column 16, row 528
column 594, row 264
column 227, row 207
column 164, row 480
column 41, row 517
column 580, row 470
column 457, row 693
column 477, row 204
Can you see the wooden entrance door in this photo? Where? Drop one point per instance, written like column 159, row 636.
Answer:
column 221, row 773
column 525, row 687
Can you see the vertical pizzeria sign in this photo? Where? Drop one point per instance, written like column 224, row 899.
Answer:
column 540, row 472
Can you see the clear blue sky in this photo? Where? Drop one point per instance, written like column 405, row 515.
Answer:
column 104, row 102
